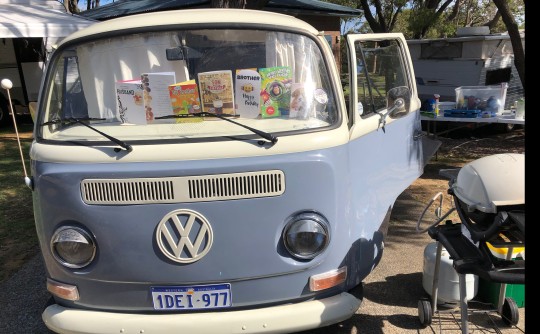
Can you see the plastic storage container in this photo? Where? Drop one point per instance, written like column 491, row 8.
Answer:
column 489, row 100
column 488, row 292
column 445, row 105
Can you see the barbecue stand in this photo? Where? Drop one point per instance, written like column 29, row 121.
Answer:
column 483, row 220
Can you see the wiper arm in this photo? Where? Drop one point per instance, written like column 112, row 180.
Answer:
column 268, row 136
column 70, row 121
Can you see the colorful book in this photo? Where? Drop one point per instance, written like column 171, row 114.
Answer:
column 247, row 93
column 216, row 92
column 129, row 99
column 185, row 100
column 302, row 106
column 275, row 94
column 156, row 93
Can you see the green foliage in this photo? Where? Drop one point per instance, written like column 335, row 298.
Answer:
column 18, row 238
column 416, row 19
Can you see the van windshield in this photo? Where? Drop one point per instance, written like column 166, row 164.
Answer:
column 162, row 85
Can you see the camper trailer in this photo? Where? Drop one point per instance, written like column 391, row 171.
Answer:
column 28, row 32
column 473, row 58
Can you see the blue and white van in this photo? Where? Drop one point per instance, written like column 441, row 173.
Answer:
column 155, row 216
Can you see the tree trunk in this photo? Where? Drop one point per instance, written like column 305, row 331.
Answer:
column 72, row 6
column 515, row 38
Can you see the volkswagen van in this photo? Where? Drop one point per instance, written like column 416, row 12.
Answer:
column 182, row 184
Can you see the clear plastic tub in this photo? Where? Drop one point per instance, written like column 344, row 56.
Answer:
column 488, row 99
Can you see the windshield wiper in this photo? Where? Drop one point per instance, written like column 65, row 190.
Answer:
column 268, row 136
column 71, row 121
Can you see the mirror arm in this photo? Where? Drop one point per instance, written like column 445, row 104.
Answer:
column 399, row 103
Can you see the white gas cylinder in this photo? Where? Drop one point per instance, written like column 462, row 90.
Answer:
column 448, row 286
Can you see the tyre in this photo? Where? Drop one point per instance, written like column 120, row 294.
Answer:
column 510, row 312
column 425, row 312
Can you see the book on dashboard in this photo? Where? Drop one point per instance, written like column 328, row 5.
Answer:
column 129, row 100
column 156, row 93
column 247, row 93
column 275, row 96
column 216, row 92
column 185, row 100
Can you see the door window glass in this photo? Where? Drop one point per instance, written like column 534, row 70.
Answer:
column 380, row 67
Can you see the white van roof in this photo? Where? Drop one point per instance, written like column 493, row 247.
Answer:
column 194, row 16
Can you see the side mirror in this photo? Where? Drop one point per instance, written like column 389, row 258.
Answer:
column 398, row 101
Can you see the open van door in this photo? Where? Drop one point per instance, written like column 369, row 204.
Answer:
column 384, row 118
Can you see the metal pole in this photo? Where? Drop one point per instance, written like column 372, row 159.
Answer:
column 7, row 84
column 463, row 304
column 435, row 287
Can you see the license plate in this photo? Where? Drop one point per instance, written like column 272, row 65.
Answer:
column 193, row 297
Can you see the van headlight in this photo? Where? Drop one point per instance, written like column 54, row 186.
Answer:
column 73, row 247
column 306, row 235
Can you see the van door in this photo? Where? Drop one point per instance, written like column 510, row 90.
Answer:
column 386, row 140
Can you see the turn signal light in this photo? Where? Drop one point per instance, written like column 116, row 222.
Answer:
column 61, row 290
column 327, row 280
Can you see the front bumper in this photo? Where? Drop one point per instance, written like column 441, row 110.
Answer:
column 277, row 319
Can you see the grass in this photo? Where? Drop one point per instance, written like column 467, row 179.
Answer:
column 18, row 238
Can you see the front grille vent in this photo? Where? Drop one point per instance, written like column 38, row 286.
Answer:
column 183, row 189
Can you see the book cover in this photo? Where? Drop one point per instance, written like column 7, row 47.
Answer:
column 275, row 94
column 185, row 100
column 216, row 92
column 247, row 93
column 156, row 93
column 129, row 99
column 302, row 106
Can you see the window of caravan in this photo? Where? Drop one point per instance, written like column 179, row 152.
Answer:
column 167, row 86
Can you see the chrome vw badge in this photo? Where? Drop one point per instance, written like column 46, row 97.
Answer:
column 184, row 236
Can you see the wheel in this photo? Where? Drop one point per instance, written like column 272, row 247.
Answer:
column 510, row 312
column 425, row 313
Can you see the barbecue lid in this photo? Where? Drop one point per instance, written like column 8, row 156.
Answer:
column 492, row 181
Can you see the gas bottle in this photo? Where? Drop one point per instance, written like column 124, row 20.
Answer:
column 448, row 286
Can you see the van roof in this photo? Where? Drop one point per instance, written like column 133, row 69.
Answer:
column 193, row 16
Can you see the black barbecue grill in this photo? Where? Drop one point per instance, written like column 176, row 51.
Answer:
column 489, row 197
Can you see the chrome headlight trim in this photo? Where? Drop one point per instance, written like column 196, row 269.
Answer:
column 306, row 235
column 78, row 237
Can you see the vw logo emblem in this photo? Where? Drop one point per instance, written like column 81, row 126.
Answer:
column 184, row 236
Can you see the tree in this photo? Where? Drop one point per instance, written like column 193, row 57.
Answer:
column 427, row 13
column 72, row 6
column 515, row 37
column 381, row 15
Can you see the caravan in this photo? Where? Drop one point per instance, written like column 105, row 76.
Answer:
column 473, row 58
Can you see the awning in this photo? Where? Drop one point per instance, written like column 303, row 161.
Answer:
column 30, row 19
